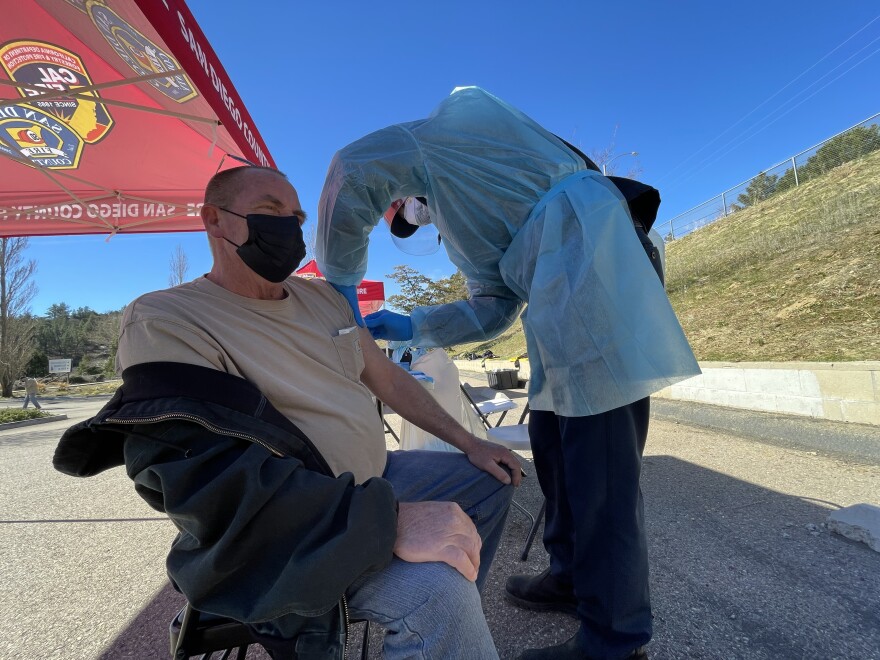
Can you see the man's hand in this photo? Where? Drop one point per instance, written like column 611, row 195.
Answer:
column 438, row 531
column 489, row 457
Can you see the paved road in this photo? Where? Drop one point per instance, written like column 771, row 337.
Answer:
column 741, row 565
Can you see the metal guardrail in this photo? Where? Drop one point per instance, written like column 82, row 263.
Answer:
column 848, row 145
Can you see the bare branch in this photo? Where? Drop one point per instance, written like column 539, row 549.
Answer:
column 310, row 236
column 17, row 290
column 179, row 266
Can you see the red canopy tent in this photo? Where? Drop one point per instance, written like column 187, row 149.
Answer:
column 113, row 116
column 371, row 294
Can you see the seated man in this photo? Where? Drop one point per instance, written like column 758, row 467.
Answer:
column 245, row 414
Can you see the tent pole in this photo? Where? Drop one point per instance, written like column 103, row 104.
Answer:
column 121, row 104
column 83, row 90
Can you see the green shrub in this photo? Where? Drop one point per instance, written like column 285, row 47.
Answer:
column 19, row 414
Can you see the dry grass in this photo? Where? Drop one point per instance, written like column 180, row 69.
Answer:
column 796, row 277
column 510, row 344
column 90, row 389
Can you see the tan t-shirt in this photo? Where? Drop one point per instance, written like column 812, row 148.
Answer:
column 303, row 353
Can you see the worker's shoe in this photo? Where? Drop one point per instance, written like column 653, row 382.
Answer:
column 542, row 592
column 573, row 650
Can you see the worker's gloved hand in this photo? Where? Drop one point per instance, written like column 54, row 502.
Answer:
column 350, row 293
column 388, row 325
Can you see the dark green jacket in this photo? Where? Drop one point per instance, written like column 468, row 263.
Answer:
column 266, row 531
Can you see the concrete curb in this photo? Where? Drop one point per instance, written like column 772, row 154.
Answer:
column 833, row 391
column 32, row 422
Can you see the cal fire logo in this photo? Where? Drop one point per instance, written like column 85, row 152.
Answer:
column 51, row 68
column 51, row 132
column 39, row 137
column 141, row 54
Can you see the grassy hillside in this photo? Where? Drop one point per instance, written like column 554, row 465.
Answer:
column 796, row 277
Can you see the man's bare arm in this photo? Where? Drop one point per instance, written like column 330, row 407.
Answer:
column 410, row 400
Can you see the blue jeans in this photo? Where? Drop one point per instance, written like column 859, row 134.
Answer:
column 430, row 610
column 31, row 398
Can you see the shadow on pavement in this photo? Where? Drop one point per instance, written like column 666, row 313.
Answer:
column 741, row 571
column 147, row 635
column 738, row 571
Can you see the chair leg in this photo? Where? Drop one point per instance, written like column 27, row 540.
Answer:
column 190, row 618
column 390, row 430
column 536, row 522
column 528, row 514
column 534, row 525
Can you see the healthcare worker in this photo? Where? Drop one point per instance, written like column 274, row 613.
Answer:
column 528, row 219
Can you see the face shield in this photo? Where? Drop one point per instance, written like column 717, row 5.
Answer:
column 405, row 217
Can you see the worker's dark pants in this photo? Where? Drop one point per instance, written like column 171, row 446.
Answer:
column 589, row 468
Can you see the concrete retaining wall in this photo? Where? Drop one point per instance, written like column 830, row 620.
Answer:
column 839, row 391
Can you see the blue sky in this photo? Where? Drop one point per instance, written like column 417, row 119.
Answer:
column 708, row 93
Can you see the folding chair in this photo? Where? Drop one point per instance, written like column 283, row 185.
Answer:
column 195, row 633
column 516, row 437
column 485, row 406
column 381, row 408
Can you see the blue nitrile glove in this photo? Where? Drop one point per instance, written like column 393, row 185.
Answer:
column 388, row 325
column 351, row 295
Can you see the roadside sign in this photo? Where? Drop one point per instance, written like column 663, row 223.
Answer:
column 59, row 366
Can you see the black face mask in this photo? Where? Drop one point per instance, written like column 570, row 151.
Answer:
column 275, row 245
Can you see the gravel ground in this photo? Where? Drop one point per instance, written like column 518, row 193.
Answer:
column 742, row 566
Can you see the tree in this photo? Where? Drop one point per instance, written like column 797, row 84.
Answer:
column 851, row 145
column 786, row 181
column 310, row 237
column 451, row 289
column 855, row 143
column 57, row 336
column 605, row 156
column 79, row 334
column 759, row 189
column 418, row 290
column 17, row 290
column 414, row 289
column 179, row 266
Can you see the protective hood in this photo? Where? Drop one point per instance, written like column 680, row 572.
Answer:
column 642, row 199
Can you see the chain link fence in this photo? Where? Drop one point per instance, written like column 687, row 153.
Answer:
column 853, row 143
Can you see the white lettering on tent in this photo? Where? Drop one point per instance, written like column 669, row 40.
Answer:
column 115, row 210
column 41, row 119
column 194, row 45
column 52, row 76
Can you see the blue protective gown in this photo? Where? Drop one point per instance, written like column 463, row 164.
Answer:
column 526, row 222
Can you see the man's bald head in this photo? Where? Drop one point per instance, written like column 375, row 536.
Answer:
column 224, row 186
